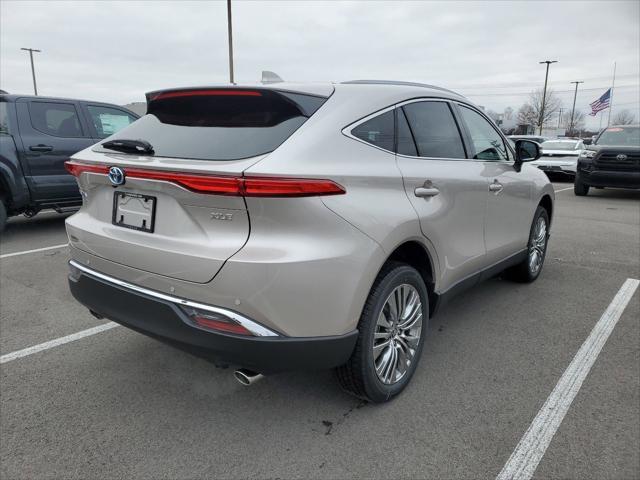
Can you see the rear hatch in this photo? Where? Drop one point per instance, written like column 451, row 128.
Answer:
column 166, row 194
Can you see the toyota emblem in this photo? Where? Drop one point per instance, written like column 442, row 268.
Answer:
column 116, row 175
column 621, row 158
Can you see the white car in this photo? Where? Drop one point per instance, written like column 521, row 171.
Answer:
column 560, row 156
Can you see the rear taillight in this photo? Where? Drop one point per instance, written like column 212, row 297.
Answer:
column 76, row 169
column 224, row 185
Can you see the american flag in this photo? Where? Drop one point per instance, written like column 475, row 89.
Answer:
column 601, row 103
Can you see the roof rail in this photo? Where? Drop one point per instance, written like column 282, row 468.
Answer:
column 397, row 82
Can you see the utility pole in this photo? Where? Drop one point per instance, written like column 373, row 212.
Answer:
column 559, row 118
column 33, row 71
column 544, row 92
column 229, row 28
column 573, row 109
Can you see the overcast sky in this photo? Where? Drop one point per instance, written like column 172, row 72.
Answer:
column 489, row 51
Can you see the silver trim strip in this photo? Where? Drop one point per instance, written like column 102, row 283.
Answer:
column 255, row 328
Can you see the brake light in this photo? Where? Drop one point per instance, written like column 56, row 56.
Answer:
column 224, row 185
column 207, row 93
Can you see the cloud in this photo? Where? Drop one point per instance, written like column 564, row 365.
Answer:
column 117, row 51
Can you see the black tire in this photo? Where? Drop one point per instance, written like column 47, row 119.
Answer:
column 579, row 188
column 358, row 376
column 523, row 272
column 3, row 215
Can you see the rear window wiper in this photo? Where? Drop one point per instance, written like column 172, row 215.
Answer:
column 140, row 147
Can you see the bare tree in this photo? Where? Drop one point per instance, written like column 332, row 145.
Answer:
column 578, row 121
column 551, row 106
column 623, row 117
column 527, row 115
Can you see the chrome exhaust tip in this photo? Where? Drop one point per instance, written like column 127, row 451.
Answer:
column 247, row 377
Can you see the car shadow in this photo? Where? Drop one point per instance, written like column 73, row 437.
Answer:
column 614, row 193
column 43, row 223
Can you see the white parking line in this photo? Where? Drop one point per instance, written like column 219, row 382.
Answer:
column 563, row 189
column 525, row 458
column 58, row 341
column 35, row 250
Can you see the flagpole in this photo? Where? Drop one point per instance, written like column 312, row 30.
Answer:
column 613, row 84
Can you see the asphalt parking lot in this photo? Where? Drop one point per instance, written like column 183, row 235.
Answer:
column 119, row 405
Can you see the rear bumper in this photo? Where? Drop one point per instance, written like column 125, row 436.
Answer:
column 159, row 316
column 615, row 179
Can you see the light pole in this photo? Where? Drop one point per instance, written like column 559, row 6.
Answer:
column 230, row 41
column 573, row 109
column 544, row 93
column 33, row 71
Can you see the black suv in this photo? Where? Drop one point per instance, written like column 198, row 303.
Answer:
column 612, row 161
column 37, row 135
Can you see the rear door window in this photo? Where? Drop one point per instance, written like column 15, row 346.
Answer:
column 108, row 121
column 57, row 119
column 434, row 129
column 487, row 142
column 4, row 118
column 219, row 124
column 378, row 131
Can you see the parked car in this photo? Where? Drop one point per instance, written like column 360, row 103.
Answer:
column 284, row 227
column 613, row 160
column 534, row 138
column 560, row 156
column 37, row 135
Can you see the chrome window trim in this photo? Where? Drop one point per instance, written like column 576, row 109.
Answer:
column 505, row 139
column 255, row 328
column 347, row 130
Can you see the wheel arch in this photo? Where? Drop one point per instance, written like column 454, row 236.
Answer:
column 547, row 203
column 415, row 254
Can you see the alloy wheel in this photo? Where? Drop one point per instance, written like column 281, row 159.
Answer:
column 537, row 246
column 397, row 334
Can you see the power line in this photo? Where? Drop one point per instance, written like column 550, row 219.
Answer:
column 531, row 84
column 515, row 94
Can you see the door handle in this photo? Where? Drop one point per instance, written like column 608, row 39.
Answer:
column 496, row 187
column 426, row 192
column 41, row 148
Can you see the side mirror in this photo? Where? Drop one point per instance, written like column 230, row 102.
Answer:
column 527, row 151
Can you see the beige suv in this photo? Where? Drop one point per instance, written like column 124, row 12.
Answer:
column 283, row 226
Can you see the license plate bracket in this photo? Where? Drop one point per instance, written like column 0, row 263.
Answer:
column 134, row 211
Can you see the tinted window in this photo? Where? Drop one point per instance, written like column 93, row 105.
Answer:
column 434, row 130
column 219, row 125
column 487, row 143
column 108, row 121
column 406, row 145
column 377, row 131
column 59, row 119
column 4, row 118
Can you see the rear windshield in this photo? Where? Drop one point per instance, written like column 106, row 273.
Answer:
column 620, row 136
column 219, row 124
